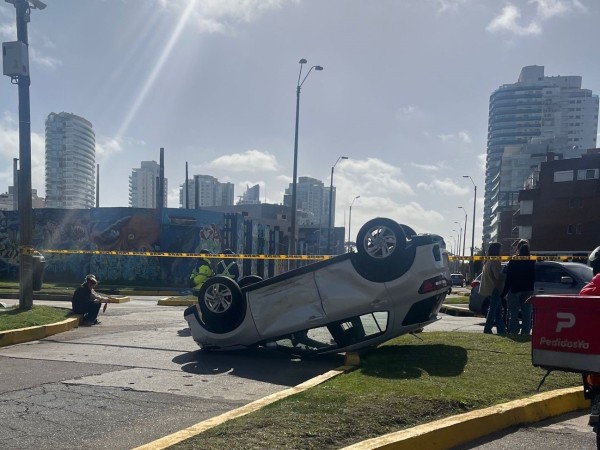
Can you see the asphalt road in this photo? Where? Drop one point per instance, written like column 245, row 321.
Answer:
column 135, row 378
column 139, row 376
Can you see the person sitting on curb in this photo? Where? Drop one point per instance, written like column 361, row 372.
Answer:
column 228, row 267
column 201, row 272
column 86, row 301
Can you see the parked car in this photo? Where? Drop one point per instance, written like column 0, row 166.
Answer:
column 395, row 283
column 457, row 279
column 551, row 277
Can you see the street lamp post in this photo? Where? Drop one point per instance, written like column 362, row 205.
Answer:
column 459, row 231
column 465, row 236
column 330, row 205
column 23, row 9
column 292, row 247
column 350, row 220
column 472, row 263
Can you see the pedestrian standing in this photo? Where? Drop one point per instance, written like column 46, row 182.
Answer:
column 492, row 285
column 519, row 285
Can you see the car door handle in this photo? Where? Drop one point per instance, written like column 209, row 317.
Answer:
column 540, row 290
column 314, row 319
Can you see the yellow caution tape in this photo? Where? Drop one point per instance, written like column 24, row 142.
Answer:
column 29, row 250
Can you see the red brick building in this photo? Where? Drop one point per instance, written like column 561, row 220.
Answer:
column 559, row 212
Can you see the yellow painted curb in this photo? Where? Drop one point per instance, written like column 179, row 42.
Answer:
column 456, row 430
column 176, row 302
column 20, row 335
column 192, row 431
column 123, row 299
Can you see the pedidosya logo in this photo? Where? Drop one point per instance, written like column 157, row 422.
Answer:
column 564, row 321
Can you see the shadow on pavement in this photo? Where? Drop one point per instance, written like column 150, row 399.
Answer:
column 257, row 364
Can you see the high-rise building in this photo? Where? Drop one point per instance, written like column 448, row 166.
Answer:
column 70, row 162
column 143, row 186
column 534, row 110
column 251, row 196
column 312, row 200
column 206, row 190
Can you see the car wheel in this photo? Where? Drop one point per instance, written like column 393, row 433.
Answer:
column 248, row 280
column 221, row 304
column 383, row 254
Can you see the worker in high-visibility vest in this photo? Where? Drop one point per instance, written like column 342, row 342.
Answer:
column 228, row 267
column 201, row 272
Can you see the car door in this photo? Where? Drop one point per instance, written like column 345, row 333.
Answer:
column 548, row 278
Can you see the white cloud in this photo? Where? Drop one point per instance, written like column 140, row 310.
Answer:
column 449, row 5
column 9, row 149
column 481, row 159
column 249, row 161
column 547, row 9
column 426, row 167
column 372, row 176
column 462, row 136
column 43, row 60
column 408, row 112
column 508, row 21
column 445, row 187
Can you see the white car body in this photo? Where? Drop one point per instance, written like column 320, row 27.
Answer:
column 342, row 297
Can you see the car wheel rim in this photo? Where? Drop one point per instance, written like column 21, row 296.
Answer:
column 380, row 242
column 218, row 298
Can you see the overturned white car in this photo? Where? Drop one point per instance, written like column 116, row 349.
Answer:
column 394, row 284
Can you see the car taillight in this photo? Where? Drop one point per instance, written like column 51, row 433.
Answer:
column 474, row 284
column 593, row 379
column 433, row 284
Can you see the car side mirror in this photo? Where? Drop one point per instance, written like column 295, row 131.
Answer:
column 567, row 280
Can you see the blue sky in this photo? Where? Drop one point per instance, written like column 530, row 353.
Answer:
column 404, row 92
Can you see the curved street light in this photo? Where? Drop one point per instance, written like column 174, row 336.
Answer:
column 472, row 263
column 292, row 247
column 331, row 205
column 350, row 219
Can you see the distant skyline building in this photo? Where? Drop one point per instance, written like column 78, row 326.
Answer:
column 143, row 186
column 312, row 201
column 70, row 162
column 206, row 190
column 7, row 201
column 251, row 196
column 553, row 114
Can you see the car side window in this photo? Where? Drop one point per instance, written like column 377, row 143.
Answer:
column 549, row 274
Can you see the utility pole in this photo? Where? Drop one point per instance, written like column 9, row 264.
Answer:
column 16, row 66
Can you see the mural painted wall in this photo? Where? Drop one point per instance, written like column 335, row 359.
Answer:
column 132, row 229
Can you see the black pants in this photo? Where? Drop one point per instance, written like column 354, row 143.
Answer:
column 89, row 310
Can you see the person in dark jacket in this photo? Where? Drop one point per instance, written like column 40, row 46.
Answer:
column 228, row 267
column 520, row 279
column 86, row 301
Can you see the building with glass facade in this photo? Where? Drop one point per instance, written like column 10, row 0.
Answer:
column 70, row 162
column 535, row 115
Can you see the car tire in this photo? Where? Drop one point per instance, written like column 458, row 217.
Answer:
column 248, row 280
column 221, row 304
column 383, row 253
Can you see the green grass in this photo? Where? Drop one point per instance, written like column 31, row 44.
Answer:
column 456, row 300
column 399, row 385
column 13, row 318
